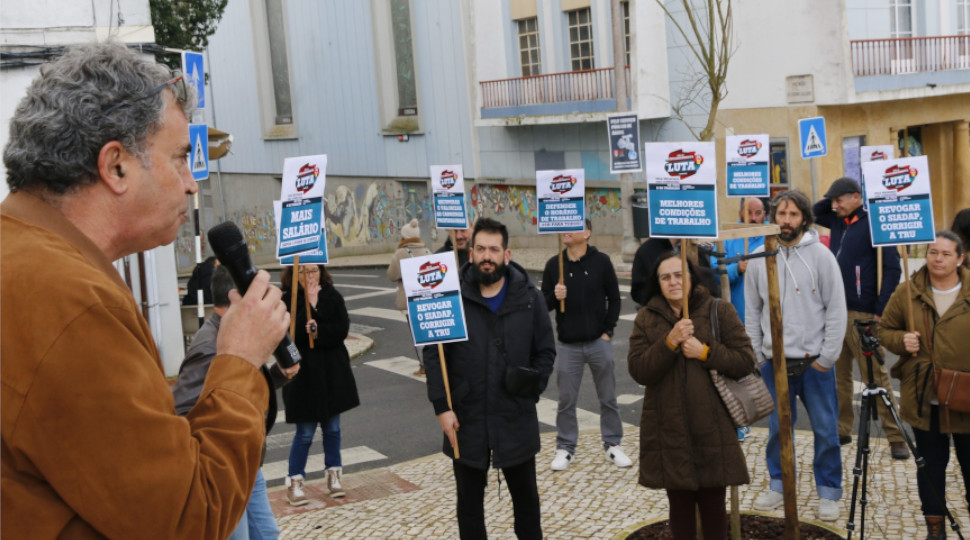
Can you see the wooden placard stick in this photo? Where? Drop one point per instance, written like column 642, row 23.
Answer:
column 910, row 327
column 444, row 377
column 306, row 304
column 562, row 303
column 293, row 293
column 684, row 313
column 878, row 271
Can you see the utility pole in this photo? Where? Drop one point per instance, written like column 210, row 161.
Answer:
column 628, row 243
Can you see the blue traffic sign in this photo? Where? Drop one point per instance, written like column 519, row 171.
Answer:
column 811, row 134
column 199, row 154
column 193, row 69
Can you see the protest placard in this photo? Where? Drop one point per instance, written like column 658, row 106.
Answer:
column 747, row 165
column 561, row 200
column 316, row 256
column 624, row 133
column 682, row 189
column 448, row 192
column 900, row 205
column 301, row 225
column 435, row 310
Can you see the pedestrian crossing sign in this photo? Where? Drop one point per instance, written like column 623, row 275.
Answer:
column 811, row 133
column 199, row 152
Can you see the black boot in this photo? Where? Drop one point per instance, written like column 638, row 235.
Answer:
column 935, row 528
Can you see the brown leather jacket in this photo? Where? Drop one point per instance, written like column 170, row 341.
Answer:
column 91, row 443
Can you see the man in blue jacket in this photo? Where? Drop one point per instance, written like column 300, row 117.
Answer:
column 842, row 212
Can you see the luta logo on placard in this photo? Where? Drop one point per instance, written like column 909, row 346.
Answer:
column 448, row 179
column 431, row 274
column 683, row 164
column 749, row 148
column 562, row 184
column 899, row 177
column 306, row 178
column 878, row 156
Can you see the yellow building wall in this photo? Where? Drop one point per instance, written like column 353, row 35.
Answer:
column 879, row 122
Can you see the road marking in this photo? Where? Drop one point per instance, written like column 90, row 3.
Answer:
column 625, row 289
column 278, row 470
column 380, row 313
column 399, row 365
column 367, row 287
column 356, row 328
column 627, row 399
column 629, row 317
column 546, row 408
column 368, row 295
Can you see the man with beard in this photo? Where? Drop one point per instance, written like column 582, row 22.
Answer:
column 842, row 212
column 496, row 378
column 813, row 307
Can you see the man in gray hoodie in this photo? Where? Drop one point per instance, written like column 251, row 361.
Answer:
column 814, row 314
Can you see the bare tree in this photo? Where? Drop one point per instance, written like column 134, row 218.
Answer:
column 707, row 32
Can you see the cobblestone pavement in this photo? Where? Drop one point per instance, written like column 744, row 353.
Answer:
column 591, row 499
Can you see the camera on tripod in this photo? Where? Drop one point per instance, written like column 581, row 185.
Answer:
column 868, row 340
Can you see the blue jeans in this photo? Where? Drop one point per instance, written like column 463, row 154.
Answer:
column 258, row 522
column 818, row 395
column 303, row 438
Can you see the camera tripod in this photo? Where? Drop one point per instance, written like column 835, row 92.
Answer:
column 869, row 414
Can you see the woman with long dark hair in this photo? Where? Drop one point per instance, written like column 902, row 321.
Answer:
column 688, row 442
column 325, row 385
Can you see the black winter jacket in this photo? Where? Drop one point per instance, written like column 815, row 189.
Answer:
column 495, row 425
column 852, row 246
column 592, row 296
column 325, row 385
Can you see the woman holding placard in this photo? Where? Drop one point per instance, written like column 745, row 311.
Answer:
column 688, row 442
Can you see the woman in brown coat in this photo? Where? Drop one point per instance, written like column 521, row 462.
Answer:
column 940, row 299
column 688, row 443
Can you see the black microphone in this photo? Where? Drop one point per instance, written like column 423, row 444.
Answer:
column 230, row 248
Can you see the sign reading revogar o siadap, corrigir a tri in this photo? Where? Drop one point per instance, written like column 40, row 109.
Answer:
column 900, row 206
column 433, row 291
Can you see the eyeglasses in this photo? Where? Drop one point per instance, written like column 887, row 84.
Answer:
column 311, row 271
column 177, row 83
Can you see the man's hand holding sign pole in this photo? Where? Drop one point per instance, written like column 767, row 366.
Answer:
column 561, row 207
column 436, row 315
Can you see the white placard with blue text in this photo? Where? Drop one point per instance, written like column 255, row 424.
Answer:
column 303, row 177
column 900, row 205
column 448, row 192
column 435, row 310
column 199, row 151
column 747, row 165
column 317, row 256
column 193, row 69
column 561, row 201
column 682, row 189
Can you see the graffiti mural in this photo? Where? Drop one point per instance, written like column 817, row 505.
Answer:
column 520, row 201
column 374, row 212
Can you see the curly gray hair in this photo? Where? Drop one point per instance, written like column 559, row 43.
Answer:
column 60, row 126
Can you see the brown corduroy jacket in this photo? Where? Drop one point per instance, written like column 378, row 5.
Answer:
column 91, row 444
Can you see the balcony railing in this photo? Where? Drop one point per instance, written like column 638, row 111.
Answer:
column 910, row 55
column 586, row 85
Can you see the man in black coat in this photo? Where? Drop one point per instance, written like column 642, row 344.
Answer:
column 508, row 328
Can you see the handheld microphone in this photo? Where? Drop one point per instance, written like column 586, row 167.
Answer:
column 230, row 248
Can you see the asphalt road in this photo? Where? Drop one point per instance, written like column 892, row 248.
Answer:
column 395, row 421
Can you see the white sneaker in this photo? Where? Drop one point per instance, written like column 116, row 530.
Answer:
column 333, row 482
column 562, row 459
column 617, row 456
column 828, row 510
column 294, row 491
column 769, row 500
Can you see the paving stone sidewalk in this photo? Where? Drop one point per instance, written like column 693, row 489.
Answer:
column 591, row 499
